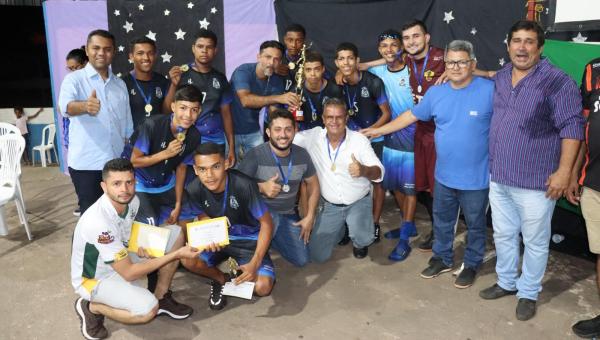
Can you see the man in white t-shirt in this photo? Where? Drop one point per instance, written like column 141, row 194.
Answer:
column 21, row 124
column 105, row 274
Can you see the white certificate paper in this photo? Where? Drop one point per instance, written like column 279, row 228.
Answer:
column 244, row 290
column 202, row 233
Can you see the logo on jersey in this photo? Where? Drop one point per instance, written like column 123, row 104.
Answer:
column 206, row 203
column 364, row 92
column 216, row 84
column 105, row 238
column 429, row 75
column 402, row 82
column 233, row 203
column 132, row 92
column 158, row 92
column 473, row 113
column 190, row 81
column 163, row 145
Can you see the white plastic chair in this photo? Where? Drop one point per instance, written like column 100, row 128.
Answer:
column 6, row 128
column 11, row 149
column 46, row 146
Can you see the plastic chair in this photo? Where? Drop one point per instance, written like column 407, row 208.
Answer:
column 46, row 146
column 6, row 128
column 11, row 149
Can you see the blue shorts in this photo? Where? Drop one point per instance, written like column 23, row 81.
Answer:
column 242, row 251
column 399, row 171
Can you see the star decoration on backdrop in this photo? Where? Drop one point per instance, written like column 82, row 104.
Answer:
column 117, row 12
column 141, row 7
column 579, row 38
column 166, row 57
column 180, row 35
column 505, row 40
column 204, row 23
column 213, row 10
column 167, row 12
column 501, row 61
column 151, row 35
column 128, row 26
column 473, row 31
column 190, row 5
column 121, row 48
column 448, row 17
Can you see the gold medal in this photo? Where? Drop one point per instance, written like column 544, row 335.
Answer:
column 351, row 112
column 180, row 136
column 148, row 108
column 333, row 167
column 184, row 67
column 291, row 65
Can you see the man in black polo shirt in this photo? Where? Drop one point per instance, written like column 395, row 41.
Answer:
column 317, row 89
column 214, row 123
column 220, row 191
column 159, row 149
column 146, row 88
column 368, row 106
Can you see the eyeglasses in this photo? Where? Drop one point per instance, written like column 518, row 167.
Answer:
column 454, row 63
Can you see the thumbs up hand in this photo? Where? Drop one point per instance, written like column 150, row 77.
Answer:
column 355, row 168
column 92, row 104
column 270, row 188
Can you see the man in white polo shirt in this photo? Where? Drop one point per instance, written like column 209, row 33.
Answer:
column 346, row 164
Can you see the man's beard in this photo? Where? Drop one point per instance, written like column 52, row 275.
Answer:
column 274, row 143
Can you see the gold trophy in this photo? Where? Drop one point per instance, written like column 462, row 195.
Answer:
column 299, row 78
column 233, row 268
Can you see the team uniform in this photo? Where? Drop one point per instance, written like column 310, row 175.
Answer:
column 216, row 92
column 363, row 100
column 142, row 92
column 398, row 149
column 155, row 184
column 424, row 73
column 590, row 177
column 243, row 205
column 290, row 79
column 262, row 164
column 312, row 104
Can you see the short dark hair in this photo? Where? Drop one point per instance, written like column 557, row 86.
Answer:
column 210, row 148
column 346, row 46
column 389, row 34
column 528, row 25
column 101, row 33
column 208, row 34
column 295, row 28
column 412, row 23
column 271, row 44
column 188, row 93
column 141, row 40
column 280, row 113
column 116, row 165
column 312, row 56
column 78, row 54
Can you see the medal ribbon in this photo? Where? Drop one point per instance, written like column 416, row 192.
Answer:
column 351, row 103
column 286, row 179
column 312, row 106
column 225, row 196
column 336, row 151
column 147, row 99
column 422, row 75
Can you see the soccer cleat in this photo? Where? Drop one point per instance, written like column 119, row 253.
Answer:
column 216, row 300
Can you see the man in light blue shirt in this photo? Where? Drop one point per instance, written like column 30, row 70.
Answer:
column 462, row 111
column 97, row 104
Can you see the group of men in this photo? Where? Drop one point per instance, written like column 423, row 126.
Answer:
column 167, row 151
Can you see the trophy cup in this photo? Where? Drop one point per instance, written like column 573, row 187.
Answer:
column 233, row 268
column 299, row 78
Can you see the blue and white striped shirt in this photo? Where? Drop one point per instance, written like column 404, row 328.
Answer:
column 529, row 122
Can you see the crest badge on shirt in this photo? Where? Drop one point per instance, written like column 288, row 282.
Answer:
column 364, row 92
column 402, row 82
column 158, row 92
column 132, row 92
column 233, row 203
column 105, row 237
column 190, row 81
column 429, row 74
column 216, row 84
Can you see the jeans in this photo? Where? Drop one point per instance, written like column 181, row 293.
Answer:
column 243, row 143
column 329, row 227
column 529, row 212
column 446, row 203
column 87, row 186
column 286, row 239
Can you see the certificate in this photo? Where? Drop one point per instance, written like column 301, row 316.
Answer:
column 244, row 290
column 153, row 239
column 202, row 233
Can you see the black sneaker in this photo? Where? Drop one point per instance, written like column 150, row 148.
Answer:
column 436, row 267
column 495, row 292
column 168, row 305
column 216, row 300
column 587, row 328
column 92, row 325
column 466, row 278
column 377, row 233
column 77, row 212
column 360, row 253
column 525, row 309
column 427, row 243
column 346, row 239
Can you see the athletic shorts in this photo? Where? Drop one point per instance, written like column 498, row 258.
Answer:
column 242, row 251
column 155, row 208
column 424, row 162
column 590, row 208
column 399, row 171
